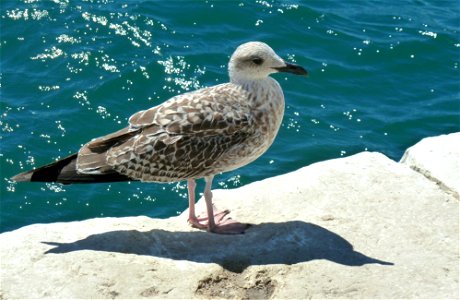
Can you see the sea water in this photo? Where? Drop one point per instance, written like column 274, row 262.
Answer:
column 383, row 75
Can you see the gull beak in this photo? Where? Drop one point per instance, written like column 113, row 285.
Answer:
column 292, row 68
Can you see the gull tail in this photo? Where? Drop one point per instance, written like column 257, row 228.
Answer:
column 65, row 171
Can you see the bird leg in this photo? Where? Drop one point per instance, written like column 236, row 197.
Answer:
column 200, row 222
column 220, row 222
column 192, row 219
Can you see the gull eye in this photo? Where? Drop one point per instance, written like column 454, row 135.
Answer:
column 257, row 60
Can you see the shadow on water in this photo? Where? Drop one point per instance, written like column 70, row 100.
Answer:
column 268, row 243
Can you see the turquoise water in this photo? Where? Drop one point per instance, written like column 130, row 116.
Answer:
column 383, row 75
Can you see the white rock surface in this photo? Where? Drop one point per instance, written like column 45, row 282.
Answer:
column 357, row 227
column 438, row 158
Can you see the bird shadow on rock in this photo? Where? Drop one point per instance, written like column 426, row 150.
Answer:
column 267, row 243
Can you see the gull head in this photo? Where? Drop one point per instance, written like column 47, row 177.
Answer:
column 255, row 61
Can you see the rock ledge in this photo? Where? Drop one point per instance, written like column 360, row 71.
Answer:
column 363, row 226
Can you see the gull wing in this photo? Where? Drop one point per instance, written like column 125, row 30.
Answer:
column 181, row 138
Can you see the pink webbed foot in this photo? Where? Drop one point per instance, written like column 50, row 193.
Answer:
column 220, row 221
column 223, row 223
column 202, row 221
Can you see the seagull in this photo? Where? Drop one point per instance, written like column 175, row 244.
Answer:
column 190, row 136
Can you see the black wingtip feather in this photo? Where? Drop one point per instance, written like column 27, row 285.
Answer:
column 64, row 171
column 47, row 173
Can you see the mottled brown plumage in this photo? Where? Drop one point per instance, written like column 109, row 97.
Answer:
column 191, row 136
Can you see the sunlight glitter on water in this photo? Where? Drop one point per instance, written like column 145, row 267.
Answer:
column 86, row 66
